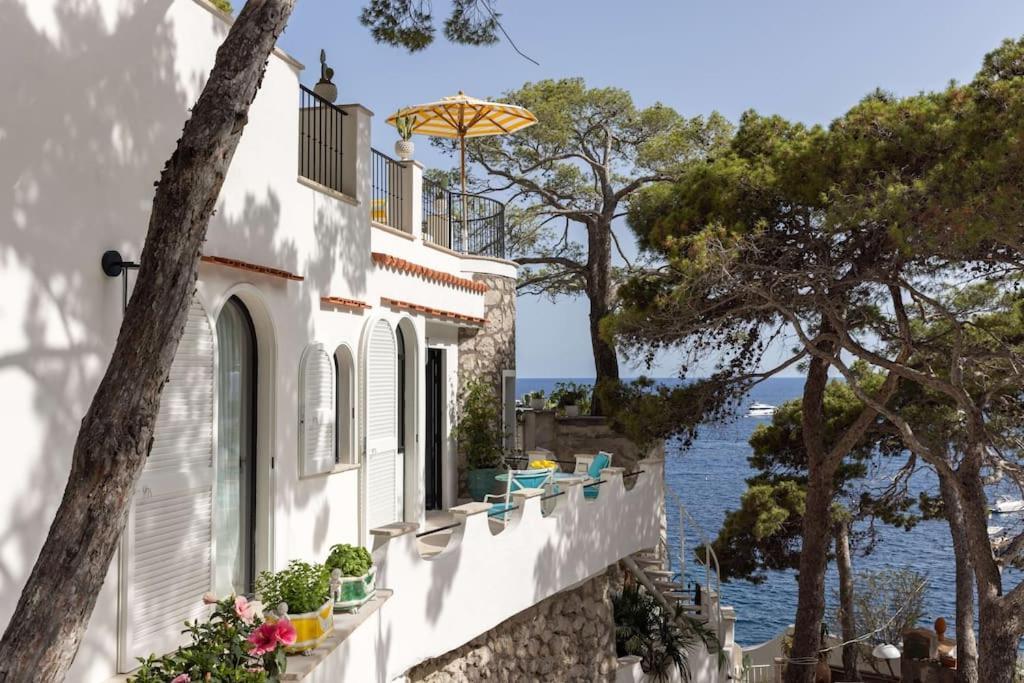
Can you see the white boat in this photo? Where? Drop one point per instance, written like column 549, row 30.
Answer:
column 760, row 410
column 1007, row 504
column 995, row 530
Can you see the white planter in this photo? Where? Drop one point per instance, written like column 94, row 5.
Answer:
column 404, row 149
column 572, row 411
column 537, row 403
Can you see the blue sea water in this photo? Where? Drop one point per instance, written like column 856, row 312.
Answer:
column 710, row 476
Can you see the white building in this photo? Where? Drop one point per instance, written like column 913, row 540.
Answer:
column 313, row 394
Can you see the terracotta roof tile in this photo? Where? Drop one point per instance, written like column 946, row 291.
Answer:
column 251, row 267
column 389, row 261
column 342, row 301
column 433, row 312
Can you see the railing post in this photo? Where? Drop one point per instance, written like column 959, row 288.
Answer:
column 412, row 198
column 355, row 142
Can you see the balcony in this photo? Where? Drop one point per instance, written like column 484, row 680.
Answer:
column 468, row 224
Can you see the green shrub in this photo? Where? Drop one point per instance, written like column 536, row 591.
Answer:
column 305, row 587
column 478, row 431
column 223, row 5
column 351, row 560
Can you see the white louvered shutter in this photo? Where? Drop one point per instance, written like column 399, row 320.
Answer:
column 381, row 429
column 316, row 411
column 168, row 542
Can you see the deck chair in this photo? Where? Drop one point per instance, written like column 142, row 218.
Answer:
column 598, row 463
column 517, row 480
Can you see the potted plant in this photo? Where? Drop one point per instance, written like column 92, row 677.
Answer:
column 300, row 593
column 352, row 576
column 571, row 398
column 535, row 399
column 478, row 433
column 404, row 147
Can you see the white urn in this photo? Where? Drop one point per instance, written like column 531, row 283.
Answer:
column 405, row 149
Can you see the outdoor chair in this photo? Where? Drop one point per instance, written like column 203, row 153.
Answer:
column 517, row 480
column 598, row 463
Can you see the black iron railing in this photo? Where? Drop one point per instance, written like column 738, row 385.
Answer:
column 388, row 191
column 320, row 140
column 482, row 233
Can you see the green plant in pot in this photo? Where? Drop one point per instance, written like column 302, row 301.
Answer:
column 478, row 433
column 571, row 398
column 352, row 576
column 301, row 592
column 535, row 399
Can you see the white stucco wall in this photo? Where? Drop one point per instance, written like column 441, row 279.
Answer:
column 481, row 578
column 88, row 120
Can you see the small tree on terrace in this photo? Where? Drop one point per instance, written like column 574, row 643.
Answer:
column 571, row 178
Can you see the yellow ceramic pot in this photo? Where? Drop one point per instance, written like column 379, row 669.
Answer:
column 311, row 628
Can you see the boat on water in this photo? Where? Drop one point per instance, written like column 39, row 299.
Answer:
column 1005, row 504
column 760, row 410
column 995, row 530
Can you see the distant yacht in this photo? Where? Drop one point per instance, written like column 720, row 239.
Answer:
column 1007, row 504
column 761, row 410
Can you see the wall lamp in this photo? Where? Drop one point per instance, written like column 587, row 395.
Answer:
column 113, row 265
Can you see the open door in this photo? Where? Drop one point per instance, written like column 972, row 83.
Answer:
column 435, row 429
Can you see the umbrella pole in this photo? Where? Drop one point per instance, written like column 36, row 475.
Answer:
column 465, row 229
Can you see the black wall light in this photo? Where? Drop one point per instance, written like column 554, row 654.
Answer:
column 113, row 265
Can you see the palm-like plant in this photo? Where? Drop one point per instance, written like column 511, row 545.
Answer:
column 660, row 637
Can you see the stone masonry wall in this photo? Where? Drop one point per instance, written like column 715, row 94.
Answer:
column 484, row 352
column 567, row 436
column 568, row 637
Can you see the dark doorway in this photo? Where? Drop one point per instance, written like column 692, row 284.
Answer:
column 435, row 429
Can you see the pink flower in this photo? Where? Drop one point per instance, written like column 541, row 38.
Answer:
column 263, row 639
column 181, row 678
column 285, row 632
column 210, row 599
column 244, row 609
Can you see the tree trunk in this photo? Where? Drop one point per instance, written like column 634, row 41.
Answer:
column 816, row 530
column 998, row 638
column 966, row 646
column 600, row 294
column 44, row 633
column 851, row 671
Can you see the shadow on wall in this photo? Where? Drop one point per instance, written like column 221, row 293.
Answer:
column 94, row 100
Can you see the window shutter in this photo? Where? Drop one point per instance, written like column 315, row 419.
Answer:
column 316, row 411
column 166, row 559
column 381, row 427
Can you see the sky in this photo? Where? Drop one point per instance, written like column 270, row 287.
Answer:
column 808, row 60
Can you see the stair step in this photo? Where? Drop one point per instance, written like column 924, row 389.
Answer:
column 659, row 572
column 650, row 561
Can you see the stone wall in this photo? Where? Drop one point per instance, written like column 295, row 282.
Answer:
column 567, row 436
column 568, row 637
column 485, row 351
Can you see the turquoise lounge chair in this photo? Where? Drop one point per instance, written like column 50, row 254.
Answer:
column 517, row 480
column 600, row 461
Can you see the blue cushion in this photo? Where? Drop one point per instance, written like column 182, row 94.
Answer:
column 533, row 480
column 499, row 509
column 601, row 460
column 590, row 492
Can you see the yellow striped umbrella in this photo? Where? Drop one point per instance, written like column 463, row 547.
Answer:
column 461, row 116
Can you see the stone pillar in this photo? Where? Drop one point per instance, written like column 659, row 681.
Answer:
column 355, row 149
column 412, row 201
column 484, row 352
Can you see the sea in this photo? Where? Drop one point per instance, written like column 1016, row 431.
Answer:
column 710, row 476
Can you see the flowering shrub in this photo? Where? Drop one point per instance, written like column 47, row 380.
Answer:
column 544, row 465
column 234, row 645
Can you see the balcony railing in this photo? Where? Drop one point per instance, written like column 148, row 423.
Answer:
column 388, row 191
column 470, row 223
column 320, row 137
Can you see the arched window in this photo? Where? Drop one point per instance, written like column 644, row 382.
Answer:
column 235, row 487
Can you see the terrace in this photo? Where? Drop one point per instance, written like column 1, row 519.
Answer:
column 400, row 199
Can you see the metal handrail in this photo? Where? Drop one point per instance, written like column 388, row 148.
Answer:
column 464, row 222
column 710, row 558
